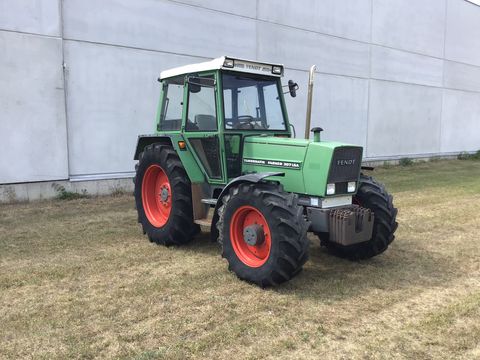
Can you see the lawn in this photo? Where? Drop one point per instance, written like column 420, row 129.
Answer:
column 78, row 279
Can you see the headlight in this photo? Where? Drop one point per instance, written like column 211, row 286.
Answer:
column 277, row 70
column 330, row 189
column 351, row 186
column 229, row 63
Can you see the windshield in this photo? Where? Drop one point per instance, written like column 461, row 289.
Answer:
column 251, row 102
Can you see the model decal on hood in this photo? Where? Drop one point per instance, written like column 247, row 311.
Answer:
column 275, row 163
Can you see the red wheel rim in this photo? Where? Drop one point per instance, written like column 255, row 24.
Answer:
column 251, row 255
column 156, row 195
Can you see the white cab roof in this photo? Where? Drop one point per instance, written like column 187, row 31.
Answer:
column 242, row 65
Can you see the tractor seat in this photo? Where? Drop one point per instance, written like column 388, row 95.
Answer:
column 206, row 122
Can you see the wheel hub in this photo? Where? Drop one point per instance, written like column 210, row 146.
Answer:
column 253, row 235
column 164, row 194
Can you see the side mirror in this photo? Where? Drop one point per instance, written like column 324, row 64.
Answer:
column 292, row 88
column 195, row 83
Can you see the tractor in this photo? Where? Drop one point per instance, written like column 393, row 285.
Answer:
column 223, row 157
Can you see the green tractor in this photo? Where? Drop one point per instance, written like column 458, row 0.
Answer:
column 223, row 156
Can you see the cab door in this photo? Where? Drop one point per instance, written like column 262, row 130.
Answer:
column 201, row 125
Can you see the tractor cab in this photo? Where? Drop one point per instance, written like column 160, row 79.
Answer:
column 217, row 104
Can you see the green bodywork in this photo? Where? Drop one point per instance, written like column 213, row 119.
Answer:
column 313, row 158
column 305, row 163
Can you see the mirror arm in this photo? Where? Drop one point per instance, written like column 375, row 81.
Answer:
column 293, row 128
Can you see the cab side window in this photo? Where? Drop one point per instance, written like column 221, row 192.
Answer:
column 171, row 114
column 202, row 113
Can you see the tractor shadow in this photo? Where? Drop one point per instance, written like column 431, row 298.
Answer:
column 203, row 244
column 327, row 277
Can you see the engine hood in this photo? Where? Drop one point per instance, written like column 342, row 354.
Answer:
column 307, row 165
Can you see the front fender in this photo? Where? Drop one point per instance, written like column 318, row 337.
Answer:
column 250, row 178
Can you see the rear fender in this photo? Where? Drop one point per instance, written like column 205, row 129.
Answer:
column 145, row 140
column 188, row 161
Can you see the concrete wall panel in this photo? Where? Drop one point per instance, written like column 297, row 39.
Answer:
column 462, row 76
column 344, row 18
column 160, row 25
column 396, row 65
column 460, row 121
column 300, row 49
column 112, row 97
column 246, row 8
column 31, row 16
column 381, row 70
column 340, row 106
column 462, row 35
column 32, row 117
column 404, row 119
column 297, row 106
column 414, row 25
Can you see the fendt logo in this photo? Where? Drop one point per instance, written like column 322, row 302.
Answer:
column 345, row 162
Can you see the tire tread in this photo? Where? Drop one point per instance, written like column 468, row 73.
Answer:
column 180, row 228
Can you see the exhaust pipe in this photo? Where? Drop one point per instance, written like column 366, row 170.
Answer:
column 309, row 101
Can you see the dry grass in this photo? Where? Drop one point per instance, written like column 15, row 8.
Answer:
column 79, row 280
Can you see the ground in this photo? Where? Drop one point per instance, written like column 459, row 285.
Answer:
column 78, row 279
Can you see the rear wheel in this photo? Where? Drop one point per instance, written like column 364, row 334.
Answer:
column 371, row 195
column 263, row 233
column 163, row 196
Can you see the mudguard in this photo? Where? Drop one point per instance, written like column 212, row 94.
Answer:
column 145, row 140
column 251, row 178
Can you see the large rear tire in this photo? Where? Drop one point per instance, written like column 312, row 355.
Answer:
column 371, row 195
column 163, row 196
column 276, row 230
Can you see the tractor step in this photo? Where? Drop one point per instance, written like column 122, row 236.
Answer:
column 209, row 201
column 206, row 221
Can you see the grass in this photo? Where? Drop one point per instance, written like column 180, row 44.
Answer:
column 79, row 280
column 405, row 162
column 64, row 194
column 467, row 156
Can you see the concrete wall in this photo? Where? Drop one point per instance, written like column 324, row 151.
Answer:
column 33, row 138
column 78, row 77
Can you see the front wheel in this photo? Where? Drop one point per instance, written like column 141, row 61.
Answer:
column 371, row 195
column 263, row 233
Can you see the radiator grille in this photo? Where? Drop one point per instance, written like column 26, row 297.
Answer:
column 345, row 165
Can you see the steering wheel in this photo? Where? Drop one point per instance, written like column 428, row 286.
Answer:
column 245, row 120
